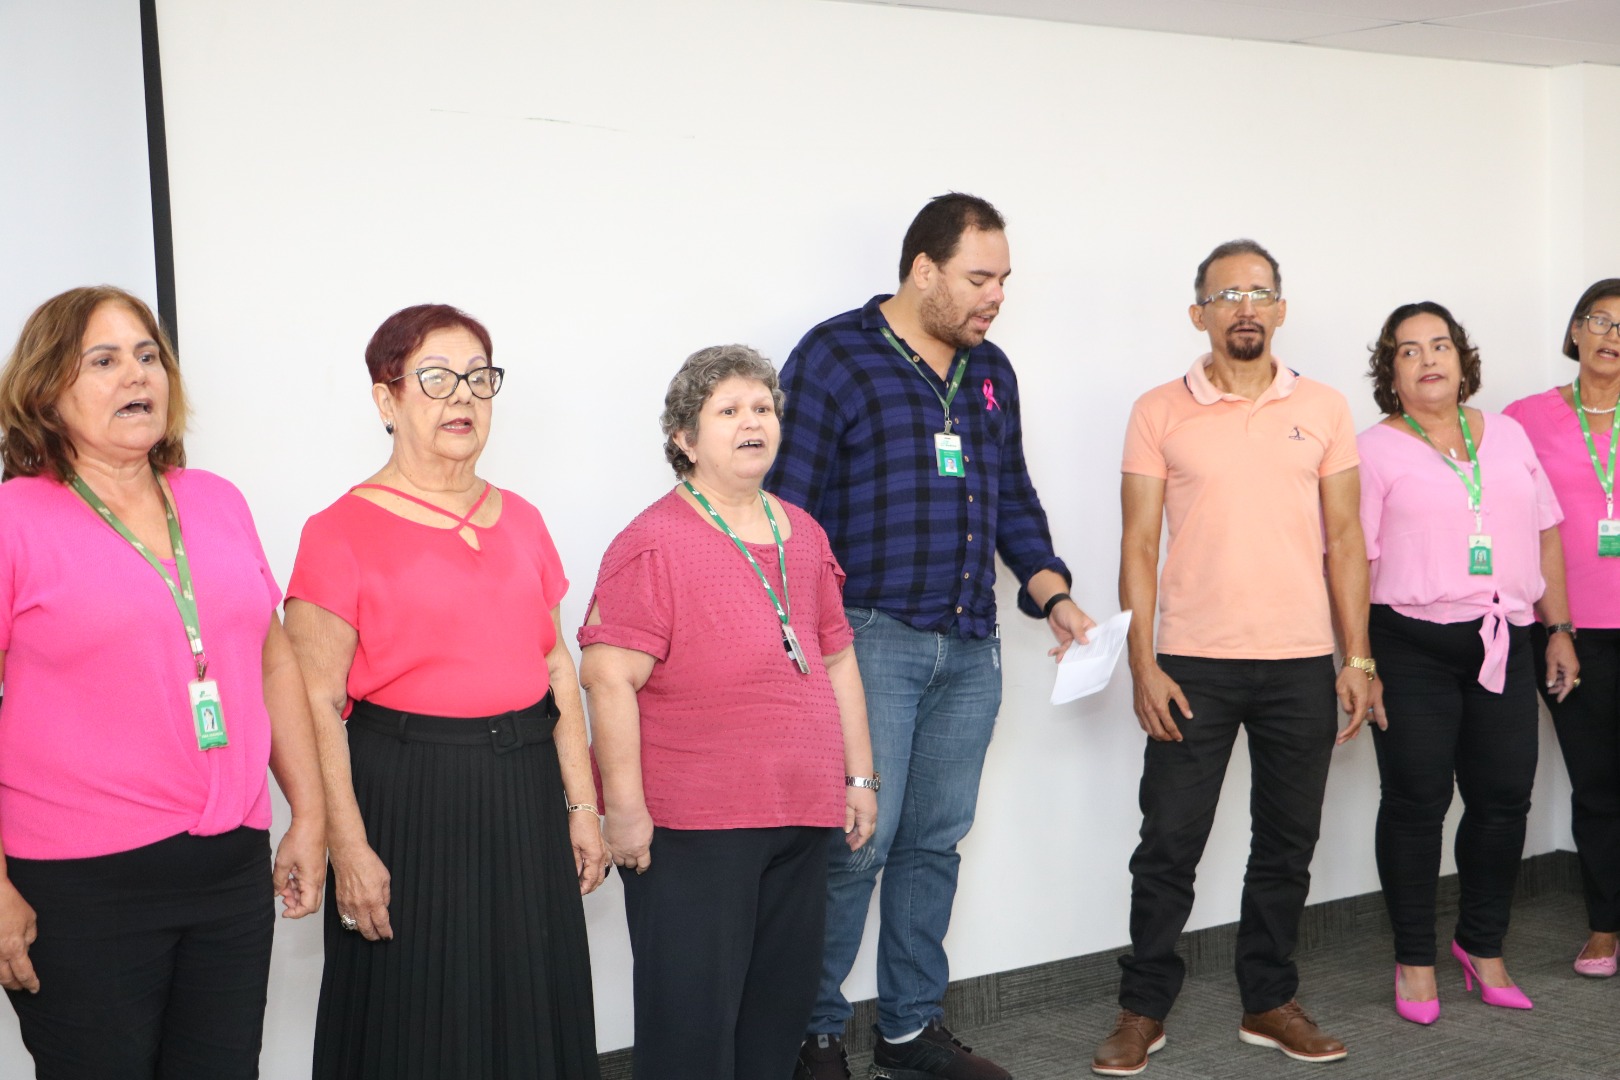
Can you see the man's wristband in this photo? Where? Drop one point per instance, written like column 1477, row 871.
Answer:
column 1046, row 612
column 1363, row 663
column 1561, row 628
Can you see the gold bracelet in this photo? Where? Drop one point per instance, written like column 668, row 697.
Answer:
column 1364, row 664
column 576, row 807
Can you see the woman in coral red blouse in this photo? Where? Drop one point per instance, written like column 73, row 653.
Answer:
column 730, row 728
column 461, row 822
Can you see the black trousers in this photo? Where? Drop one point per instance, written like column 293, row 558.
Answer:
column 1588, row 724
column 1442, row 725
column 1289, row 710
column 152, row 963
column 726, row 926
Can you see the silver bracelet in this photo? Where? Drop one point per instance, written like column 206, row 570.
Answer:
column 875, row 781
column 576, row 807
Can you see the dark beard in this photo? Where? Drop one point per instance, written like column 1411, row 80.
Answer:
column 936, row 320
column 1241, row 350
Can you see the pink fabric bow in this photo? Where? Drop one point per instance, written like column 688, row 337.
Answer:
column 1493, row 631
column 989, row 396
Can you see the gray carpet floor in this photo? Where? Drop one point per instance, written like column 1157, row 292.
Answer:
column 1573, row 1032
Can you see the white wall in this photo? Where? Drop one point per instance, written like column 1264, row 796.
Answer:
column 75, row 191
column 610, row 186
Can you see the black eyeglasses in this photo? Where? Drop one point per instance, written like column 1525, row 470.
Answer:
column 440, row 382
column 1600, row 324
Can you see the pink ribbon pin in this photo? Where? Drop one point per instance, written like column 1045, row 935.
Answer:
column 989, row 396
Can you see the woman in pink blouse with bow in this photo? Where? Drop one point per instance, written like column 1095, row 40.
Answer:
column 1462, row 537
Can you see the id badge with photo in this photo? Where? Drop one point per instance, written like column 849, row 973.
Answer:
column 1609, row 537
column 1479, row 554
column 208, row 715
column 948, row 454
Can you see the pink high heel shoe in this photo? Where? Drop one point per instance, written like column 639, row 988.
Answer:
column 1597, row 967
column 1505, row 997
column 1419, row 1012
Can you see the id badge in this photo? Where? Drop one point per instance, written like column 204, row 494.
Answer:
column 948, row 454
column 208, row 715
column 790, row 642
column 1479, row 554
column 1609, row 537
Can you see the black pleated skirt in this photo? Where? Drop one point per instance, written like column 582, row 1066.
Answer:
column 488, row 973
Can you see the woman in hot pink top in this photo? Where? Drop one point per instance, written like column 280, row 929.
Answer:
column 147, row 685
column 462, row 824
column 1462, row 539
column 1580, row 460
column 730, row 728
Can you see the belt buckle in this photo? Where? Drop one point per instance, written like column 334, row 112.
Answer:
column 504, row 736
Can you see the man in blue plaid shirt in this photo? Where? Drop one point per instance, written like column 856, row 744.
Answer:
column 902, row 436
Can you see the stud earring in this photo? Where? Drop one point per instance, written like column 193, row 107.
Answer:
column 388, row 428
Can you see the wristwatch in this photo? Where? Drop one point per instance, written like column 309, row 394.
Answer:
column 1363, row 663
column 875, row 781
column 1561, row 628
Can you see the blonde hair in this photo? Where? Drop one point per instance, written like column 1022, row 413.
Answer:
column 33, row 439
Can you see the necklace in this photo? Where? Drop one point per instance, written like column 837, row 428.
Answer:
column 1598, row 412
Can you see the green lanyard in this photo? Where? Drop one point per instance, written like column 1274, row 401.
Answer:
column 1473, row 484
column 184, row 598
column 1605, row 477
column 956, row 379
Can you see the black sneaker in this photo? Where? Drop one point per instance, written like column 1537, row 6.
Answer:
column 934, row 1053
column 822, row 1057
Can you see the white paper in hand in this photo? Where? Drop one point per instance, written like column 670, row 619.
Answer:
column 1086, row 669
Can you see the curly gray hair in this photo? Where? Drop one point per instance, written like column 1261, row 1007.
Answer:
column 692, row 385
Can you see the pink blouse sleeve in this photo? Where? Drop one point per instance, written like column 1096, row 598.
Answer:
column 553, row 582
column 325, row 571
column 1548, row 511
column 250, row 532
column 8, row 585
column 633, row 602
column 834, row 631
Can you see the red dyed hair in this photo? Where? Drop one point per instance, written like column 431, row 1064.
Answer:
column 403, row 332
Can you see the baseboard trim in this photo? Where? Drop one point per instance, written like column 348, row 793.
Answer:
column 986, row 999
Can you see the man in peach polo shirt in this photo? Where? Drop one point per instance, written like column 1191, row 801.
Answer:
column 1254, row 466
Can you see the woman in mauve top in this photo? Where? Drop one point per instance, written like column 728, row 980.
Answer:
column 730, row 728
column 148, row 683
column 1580, row 459
column 1461, row 529
column 461, row 816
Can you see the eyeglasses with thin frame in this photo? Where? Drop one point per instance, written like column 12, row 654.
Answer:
column 439, row 383
column 1260, row 298
column 1599, row 324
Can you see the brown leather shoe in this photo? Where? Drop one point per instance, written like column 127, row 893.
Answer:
column 1289, row 1029
column 1125, row 1052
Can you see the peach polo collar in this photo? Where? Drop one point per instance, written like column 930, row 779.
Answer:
column 1207, row 393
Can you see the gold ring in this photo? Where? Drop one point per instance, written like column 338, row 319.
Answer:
column 1575, row 683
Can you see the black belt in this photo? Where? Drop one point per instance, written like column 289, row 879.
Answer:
column 505, row 732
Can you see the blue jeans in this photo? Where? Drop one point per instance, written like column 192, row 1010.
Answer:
column 931, row 701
